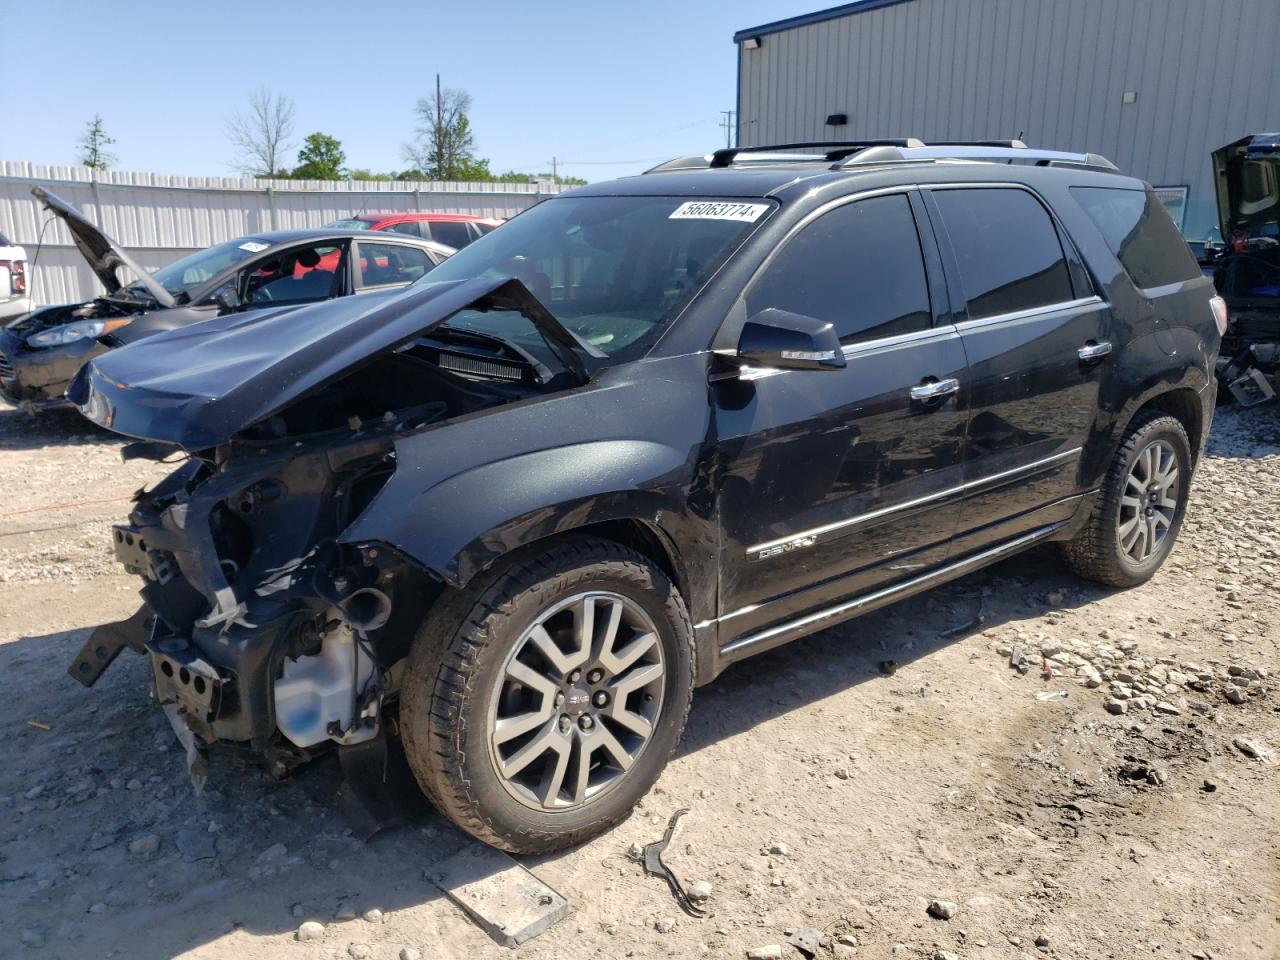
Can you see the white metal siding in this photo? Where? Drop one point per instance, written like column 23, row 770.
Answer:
column 159, row 219
column 1206, row 73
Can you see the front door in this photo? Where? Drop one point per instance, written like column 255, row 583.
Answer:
column 832, row 482
column 1037, row 340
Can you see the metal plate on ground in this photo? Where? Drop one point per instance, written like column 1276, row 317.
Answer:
column 505, row 899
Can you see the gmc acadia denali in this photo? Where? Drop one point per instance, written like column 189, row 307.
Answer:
column 513, row 515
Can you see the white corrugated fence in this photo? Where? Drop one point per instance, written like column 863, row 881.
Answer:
column 160, row 218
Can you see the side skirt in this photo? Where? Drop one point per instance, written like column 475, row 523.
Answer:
column 812, row 622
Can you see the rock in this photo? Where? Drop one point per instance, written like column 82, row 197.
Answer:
column 770, row 951
column 778, row 848
column 842, row 773
column 945, row 955
column 943, row 909
column 145, row 845
column 847, row 939
column 277, row 851
column 358, row 951
column 1209, row 786
column 1235, row 695
column 664, row 924
column 1164, row 706
column 1250, row 748
column 1042, row 941
column 700, row 890
column 635, row 852
column 373, row 915
column 345, row 912
column 410, row 953
column 311, row 930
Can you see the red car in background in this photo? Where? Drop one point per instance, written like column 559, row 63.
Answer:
column 452, row 229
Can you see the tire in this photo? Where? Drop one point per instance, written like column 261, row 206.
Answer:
column 459, row 689
column 1098, row 552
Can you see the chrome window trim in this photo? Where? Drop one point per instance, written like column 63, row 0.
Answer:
column 1049, row 308
column 967, row 487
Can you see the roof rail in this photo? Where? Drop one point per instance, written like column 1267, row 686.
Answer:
column 978, row 152
column 833, row 149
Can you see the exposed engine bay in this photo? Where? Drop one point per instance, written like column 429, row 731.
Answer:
column 1248, row 278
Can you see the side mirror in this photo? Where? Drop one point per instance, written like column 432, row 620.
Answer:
column 227, row 299
column 789, row 341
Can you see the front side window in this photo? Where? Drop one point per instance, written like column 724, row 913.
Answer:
column 614, row 270
column 183, row 276
column 297, row 275
column 388, row 264
column 1140, row 232
column 858, row 267
column 410, row 228
column 1009, row 254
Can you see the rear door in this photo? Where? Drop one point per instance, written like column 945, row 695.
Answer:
column 1037, row 339
column 832, row 482
column 383, row 265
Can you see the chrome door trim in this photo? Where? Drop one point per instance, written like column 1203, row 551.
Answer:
column 998, row 318
column 970, row 486
column 736, row 649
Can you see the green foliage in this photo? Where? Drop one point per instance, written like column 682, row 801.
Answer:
column 93, row 145
column 321, row 158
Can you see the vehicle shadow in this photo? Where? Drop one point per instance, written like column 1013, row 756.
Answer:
column 108, row 846
column 20, row 430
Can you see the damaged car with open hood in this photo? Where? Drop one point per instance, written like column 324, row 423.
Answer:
column 42, row 350
column 510, row 517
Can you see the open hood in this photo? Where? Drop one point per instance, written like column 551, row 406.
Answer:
column 1247, row 178
column 198, row 386
column 103, row 254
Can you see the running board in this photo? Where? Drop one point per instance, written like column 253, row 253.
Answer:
column 793, row 629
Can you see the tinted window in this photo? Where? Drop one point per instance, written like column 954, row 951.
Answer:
column 858, row 267
column 454, row 234
column 1008, row 250
column 1139, row 231
column 384, row 264
column 410, row 227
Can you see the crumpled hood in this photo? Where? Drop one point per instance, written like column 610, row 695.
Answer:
column 102, row 253
column 200, row 385
column 1247, row 180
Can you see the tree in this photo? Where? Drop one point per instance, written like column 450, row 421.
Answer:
column 321, row 158
column 443, row 146
column 94, row 143
column 262, row 134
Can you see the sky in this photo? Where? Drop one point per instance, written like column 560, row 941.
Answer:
column 608, row 88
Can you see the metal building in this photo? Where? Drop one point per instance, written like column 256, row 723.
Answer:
column 1154, row 85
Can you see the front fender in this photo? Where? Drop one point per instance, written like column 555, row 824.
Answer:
column 464, row 523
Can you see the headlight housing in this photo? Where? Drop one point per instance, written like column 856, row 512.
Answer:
column 71, row 332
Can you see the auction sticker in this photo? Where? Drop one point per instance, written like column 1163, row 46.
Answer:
column 254, row 246
column 719, row 210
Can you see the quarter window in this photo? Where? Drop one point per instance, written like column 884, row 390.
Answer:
column 1008, row 250
column 1140, row 232
column 453, row 233
column 858, row 267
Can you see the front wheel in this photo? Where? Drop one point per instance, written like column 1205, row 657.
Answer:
column 1139, row 511
column 540, row 718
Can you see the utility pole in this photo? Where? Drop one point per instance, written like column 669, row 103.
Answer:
column 439, row 131
column 555, row 178
column 726, row 123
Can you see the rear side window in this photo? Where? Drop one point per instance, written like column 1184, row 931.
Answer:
column 858, row 267
column 1008, row 250
column 451, row 232
column 1140, row 232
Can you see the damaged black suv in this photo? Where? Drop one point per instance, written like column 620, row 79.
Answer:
column 512, row 516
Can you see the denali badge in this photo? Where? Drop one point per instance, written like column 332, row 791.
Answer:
column 797, row 544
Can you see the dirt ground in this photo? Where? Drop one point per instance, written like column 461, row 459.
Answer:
column 1054, row 826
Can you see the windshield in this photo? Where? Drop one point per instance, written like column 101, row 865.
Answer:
column 614, row 270
column 351, row 224
column 186, row 274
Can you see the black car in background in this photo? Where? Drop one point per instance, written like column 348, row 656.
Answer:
column 41, row 351
column 515, row 514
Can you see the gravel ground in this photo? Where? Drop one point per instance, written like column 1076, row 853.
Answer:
column 1123, row 803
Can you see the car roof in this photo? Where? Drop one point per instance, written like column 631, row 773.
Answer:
column 423, row 215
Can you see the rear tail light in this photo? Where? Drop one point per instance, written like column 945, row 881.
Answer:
column 1219, row 307
column 18, row 276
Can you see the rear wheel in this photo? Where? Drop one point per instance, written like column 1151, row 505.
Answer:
column 554, row 700
column 1139, row 511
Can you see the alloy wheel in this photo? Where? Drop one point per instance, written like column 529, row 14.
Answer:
column 577, row 701
column 1149, row 501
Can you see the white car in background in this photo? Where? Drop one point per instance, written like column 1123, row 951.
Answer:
column 15, row 299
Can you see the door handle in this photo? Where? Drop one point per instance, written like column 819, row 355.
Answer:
column 1094, row 351
column 935, row 389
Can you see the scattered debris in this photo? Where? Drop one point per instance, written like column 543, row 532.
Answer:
column 507, row 901
column 1052, row 695
column 1250, row 748
column 1015, row 657
column 653, row 865
column 37, row 724
column 888, row 667
column 700, row 890
column 770, row 951
column 807, row 940
column 943, row 909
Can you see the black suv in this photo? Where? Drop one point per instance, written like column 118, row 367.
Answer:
column 515, row 514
